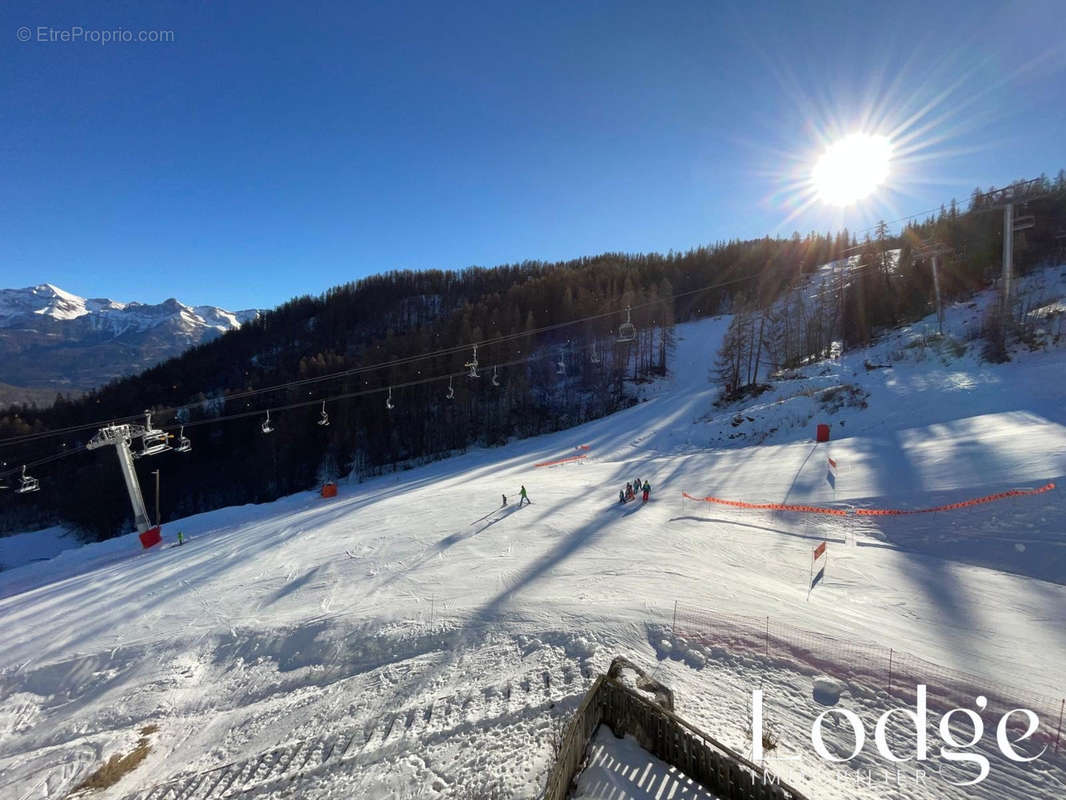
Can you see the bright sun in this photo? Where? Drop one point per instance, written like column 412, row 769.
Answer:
column 852, row 168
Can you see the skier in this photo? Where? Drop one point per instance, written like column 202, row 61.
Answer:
column 181, row 539
column 629, row 491
column 524, row 497
column 621, row 495
column 504, row 501
column 647, row 491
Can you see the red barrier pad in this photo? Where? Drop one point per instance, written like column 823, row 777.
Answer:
column 151, row 537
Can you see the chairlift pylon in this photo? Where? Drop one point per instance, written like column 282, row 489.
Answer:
column 472, row 364
column 266, row 427
column 627, row 331
column 27, row 483
column 388, row 400
column 323, row 417
column 451, row 390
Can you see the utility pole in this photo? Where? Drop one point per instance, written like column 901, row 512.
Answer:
column 157, row 519
column 1007, row 197
column 932, row 250
column 1008, row 253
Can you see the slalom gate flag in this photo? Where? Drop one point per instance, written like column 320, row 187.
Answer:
column 818, row 577
column 831, row 472
column 819, row 552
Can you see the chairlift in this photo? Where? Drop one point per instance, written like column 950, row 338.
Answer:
column 495, row 377
column 627, row 332
column 27, row 483
column 595, row 357
column 451, row 391
column 388, row 400
column 266, row 427
column 1024, row 222
column 184, row 444
column 472, row 364
column 323, row 417
column 154, row 440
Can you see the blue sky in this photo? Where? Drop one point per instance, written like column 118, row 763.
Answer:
column 274, row 149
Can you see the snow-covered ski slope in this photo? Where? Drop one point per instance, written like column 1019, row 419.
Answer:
column 410, row 638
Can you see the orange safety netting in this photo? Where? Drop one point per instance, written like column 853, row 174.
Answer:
column 561, row 460
column 989, row 498
column 873, row 512
column 837, row 512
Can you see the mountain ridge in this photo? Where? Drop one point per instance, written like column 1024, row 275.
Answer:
column 52, row 339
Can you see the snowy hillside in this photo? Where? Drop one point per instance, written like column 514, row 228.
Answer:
column 54, row 339
column 413, row 638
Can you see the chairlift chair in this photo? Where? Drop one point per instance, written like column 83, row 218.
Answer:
column 323, row 417
column 266, row 427
column 472, row 364
column 495, row 377
column 451, row 391
column 1024, row 222
column 388, row 400
column 627, row 331
column 27, row 483
column 154, row 440
column 184, row 444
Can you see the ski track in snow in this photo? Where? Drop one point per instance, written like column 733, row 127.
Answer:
column 411, row 638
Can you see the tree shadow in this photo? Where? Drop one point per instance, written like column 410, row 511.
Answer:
column 759, row 528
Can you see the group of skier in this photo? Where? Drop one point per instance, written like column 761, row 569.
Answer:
column 624, row 495
column 630, row 492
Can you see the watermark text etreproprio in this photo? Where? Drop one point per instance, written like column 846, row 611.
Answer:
column 77, row 34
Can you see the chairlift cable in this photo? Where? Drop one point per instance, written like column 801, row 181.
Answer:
column 402, row 361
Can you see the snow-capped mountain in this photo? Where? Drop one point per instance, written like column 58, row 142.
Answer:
column 50, row 338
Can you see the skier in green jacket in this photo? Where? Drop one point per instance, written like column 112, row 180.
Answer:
column 647, row 491
column 524, row 498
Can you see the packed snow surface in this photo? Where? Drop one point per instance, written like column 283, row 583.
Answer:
column 413, row 638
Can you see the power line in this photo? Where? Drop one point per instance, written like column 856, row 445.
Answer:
column 396, row 362
column 406, row 360
column 285, row 407
column 361, row 392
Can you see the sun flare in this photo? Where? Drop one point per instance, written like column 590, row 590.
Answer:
column 852, row 168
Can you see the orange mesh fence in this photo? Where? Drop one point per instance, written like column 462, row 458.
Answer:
column 838, row 512
column 988, row 498
column 870, row 665
column 873, row 512
column 561, row 460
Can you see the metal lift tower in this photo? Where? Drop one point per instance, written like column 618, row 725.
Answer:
column 119, row 436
